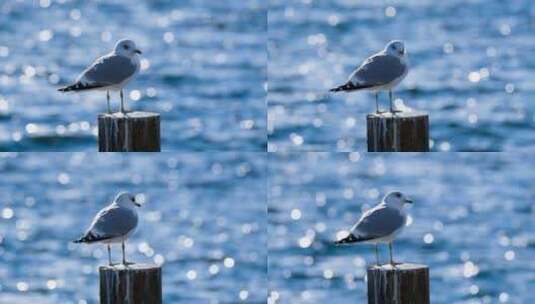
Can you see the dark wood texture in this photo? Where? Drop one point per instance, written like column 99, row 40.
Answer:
column 134, row 284
column 130, row 132
column 401, row 132
column 404, row 284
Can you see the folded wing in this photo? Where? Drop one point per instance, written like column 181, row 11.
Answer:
column 106, row 71
column 378, row 70
column 378, row 222
column 109, row 223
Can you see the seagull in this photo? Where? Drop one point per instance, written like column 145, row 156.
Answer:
column 111, row 72
column 380, row 72
column 113, row 224
column 381, row 224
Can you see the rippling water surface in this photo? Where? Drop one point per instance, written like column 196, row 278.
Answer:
column 203, row 69
column 472, row 222
column 203, row 219
column 472, row 69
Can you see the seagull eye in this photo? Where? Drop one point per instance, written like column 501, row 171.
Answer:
column 126, row 47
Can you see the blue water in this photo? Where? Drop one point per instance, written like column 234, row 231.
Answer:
column 204, row 220
column 203, row 70
column 472, row 223
column 472, row 69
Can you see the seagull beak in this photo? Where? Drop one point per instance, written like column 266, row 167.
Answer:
column 136, row 203
column 408, row 201
column 138, row 52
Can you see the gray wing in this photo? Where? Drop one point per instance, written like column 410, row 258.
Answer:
column 378, row 70
column 112, row 221
column 378, row 222
column 108, row 70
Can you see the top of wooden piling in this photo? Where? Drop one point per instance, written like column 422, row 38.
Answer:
column 133, row 115
column 406, row 131
column 398, row 267
column 402, row 115
column 131, row 267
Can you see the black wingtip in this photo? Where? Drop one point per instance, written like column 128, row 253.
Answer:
column 79, row 240
column 87, row 238
column 347, row 240
column 337, row 89
column 349, row 86
column 80, row 87
column 69, row 88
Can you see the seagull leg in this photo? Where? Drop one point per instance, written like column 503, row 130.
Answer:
column 391, row 259
column 377, row 104
column 124, row 256
column 392, row 110
column 109, row 255
column 108, row 96
column 122, row 245
column 122, row 101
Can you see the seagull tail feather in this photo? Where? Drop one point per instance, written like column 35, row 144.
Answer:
column 80, row 240
column 351, row 238
column 89, row 237
column 347, row 240
column 349, row 86
column 79, row 87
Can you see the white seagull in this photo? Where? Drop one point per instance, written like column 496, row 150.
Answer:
column 380, row 72
column 111, row 72
column 381, row 224
column 113, row 224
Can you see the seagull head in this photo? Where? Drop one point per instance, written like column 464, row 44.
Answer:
column 396, row 48
column 126, row 47
column 126, row 199
column 397, row 199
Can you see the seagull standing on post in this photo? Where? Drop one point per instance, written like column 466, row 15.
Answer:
column 381, row 224
column 111, row 72
column 113, row 224
column 380, row 72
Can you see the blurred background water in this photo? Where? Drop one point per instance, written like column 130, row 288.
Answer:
column 472, row 222
column 203, row 219
column 203, row 69
column 471, row 70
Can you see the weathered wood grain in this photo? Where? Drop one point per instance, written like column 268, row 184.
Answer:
column 401, row 132
column 402, row 284
column 133, row 284
column 130, row 132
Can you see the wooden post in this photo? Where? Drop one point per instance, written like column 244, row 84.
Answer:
column 133, row 284
column 404, row 284
column 400, row 132
column 130, row 132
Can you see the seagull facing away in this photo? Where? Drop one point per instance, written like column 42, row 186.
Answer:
column 111, row 72
column 113, row 224
column 381, row 224
column 380, row 72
